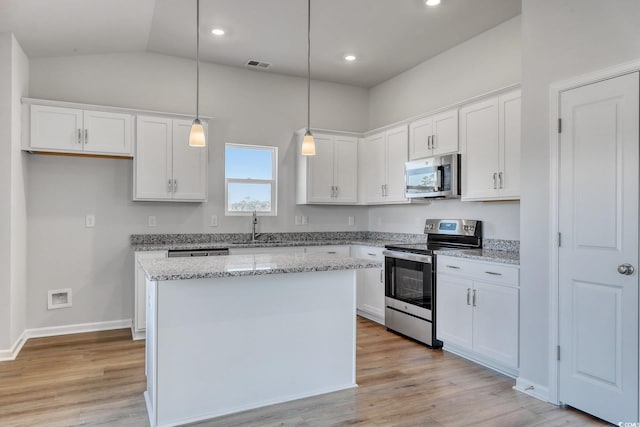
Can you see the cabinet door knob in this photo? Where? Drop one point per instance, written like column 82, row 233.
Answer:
column 381, row 277
column 175, row 185
column 500, row 179
column 468, row 296
column 495, row 182
column 474, row 297
column 86, row 136
column 79, row 136
column 429, row 142
column 433, row 141
column 169, row 186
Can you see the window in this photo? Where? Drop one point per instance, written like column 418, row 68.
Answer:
column 250, row 179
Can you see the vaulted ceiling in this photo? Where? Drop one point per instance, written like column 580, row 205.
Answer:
column 387, row 36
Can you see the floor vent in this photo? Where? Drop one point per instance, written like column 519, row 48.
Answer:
column 252, row 63
column 59, row 298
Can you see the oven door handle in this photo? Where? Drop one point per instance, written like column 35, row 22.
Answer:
column 426, row 259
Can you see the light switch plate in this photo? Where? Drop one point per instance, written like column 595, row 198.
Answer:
column 90, row 221
column 305, row 220
column 213, row 221
column 352, row 220
column 298, row 220
column 151, row 221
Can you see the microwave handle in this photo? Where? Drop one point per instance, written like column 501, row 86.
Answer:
column 440, row 179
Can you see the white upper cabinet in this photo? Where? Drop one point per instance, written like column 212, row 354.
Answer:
column 490, row 146
column 71, row 130
column 165, row 166
column 434, row 135
column 331, row 176
column 382, row 158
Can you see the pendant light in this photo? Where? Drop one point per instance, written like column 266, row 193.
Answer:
column 196, row 137
column 308, row 145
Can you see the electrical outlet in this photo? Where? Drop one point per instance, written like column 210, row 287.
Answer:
column 90, row 221
column 305, row 220
column 151, row 221
column 352, row 220
column 298, row 220
column 213, row 221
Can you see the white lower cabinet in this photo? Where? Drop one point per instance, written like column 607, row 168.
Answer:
column 370, row 284
column 477, row 311
column 139, row 325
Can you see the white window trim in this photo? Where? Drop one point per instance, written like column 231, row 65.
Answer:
column 273, row 181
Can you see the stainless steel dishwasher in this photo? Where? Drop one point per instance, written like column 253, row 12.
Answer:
column 184, row 253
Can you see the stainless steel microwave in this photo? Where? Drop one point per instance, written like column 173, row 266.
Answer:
column 433, row 177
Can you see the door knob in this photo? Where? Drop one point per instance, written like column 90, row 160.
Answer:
column 626, row 269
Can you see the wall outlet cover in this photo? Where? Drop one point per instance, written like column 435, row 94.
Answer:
column 151, row 221
column 213, row 221
column 90, row 221
column 298, row 220
column 352, row 220
column 59, row 298
column 305, row 219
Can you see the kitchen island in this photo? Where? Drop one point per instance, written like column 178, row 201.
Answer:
column 231, row 333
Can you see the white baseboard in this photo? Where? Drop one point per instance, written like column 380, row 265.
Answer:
column 51, row 331
column 532, row 389
column 13, row 352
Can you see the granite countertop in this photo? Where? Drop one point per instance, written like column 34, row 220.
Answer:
column 139, row 247
column 248, row 265
column 495, row 250
column 491, row 255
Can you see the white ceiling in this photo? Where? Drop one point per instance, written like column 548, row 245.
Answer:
column 388, row 36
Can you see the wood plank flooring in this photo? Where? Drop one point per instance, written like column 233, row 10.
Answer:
column 98, row 379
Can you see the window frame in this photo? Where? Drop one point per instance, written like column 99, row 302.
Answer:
column 273, row 181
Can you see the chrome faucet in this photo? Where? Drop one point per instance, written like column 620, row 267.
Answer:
column 254, row 222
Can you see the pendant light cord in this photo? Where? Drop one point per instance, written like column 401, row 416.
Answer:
column 197, row 58
column 308, row 65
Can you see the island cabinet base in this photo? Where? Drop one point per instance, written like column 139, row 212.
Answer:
column 224, row 345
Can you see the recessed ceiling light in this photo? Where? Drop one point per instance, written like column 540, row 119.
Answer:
column 350, row 58
column 432, row 2
column 217, row 32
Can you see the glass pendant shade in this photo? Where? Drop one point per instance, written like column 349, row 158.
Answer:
column 196, row 137
column 308, row 145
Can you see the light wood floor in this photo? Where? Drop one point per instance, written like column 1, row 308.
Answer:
column 98, row 379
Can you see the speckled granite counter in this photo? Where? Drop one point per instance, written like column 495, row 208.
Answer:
column 248, row 265
column 495, row 250
column 491, row 255
column 162, row 242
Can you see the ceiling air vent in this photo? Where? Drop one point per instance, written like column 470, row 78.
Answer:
column 252, row 63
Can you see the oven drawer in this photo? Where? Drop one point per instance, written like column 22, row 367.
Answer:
column 408, row 308
column 479, row 270
column 408, row 325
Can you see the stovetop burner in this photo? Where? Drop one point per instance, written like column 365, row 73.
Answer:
column 445, row 234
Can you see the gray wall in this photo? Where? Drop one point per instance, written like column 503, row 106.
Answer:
column 14, row 75
column 248, row 106
column 485, row 63
column 561, row 39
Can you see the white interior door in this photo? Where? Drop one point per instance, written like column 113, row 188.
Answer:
column 598, row 219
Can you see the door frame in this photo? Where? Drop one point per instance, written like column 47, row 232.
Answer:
column 555, row 90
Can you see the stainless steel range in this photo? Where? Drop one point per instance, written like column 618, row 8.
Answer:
column 410, row 282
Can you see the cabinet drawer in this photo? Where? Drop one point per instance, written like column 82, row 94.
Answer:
column 478, row 270
column 328, row 250
column 367, row 252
